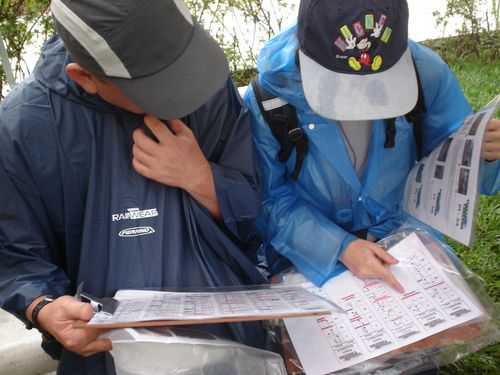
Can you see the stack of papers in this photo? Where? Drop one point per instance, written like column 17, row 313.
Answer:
column 148, row 308
column 379, row 319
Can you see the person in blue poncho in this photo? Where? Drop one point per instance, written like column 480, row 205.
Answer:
column 349, row 71
column 95, row 188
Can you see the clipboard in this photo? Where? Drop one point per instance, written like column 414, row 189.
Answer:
column 156, row 308
column 180, row 322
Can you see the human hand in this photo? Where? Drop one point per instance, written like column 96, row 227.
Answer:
column 58, row 318
column 368, row 260
column 491, row 149
column 176, row 159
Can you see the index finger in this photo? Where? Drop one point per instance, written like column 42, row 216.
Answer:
column 158, row 128
column 391, row 280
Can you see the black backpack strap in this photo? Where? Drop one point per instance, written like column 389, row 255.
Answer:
column 415, row 117
column 390, row 132
column 299, row 140
column 282, row 120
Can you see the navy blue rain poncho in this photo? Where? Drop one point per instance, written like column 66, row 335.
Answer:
column 72, row 206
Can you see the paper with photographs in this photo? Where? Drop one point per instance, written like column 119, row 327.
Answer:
column 442, row 189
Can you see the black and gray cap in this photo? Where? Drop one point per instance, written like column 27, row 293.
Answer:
column 152, row 50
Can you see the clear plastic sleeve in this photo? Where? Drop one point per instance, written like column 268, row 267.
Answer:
column 434, row 351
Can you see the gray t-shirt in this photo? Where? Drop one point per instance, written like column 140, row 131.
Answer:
column 357, row 135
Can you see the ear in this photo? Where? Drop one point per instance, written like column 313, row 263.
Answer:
column 82, row 77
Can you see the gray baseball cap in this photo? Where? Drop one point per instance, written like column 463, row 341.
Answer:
column 152, row 50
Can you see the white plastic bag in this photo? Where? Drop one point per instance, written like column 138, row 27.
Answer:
column 164, row 350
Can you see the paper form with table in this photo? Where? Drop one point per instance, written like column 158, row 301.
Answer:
column 442, row 189
column 380, row 319
column 137, row 308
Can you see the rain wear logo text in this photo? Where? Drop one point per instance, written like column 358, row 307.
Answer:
column 135, row 213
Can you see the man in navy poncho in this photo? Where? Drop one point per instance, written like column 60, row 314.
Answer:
column 95, row 188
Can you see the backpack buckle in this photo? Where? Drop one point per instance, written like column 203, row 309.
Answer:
column 295, row 134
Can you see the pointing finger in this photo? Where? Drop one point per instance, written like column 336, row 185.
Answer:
column 391, row 280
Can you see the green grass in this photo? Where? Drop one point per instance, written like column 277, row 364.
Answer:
column 483, row 258
column 480, row 82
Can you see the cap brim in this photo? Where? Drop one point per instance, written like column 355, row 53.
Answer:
column 183, row 86
column 348, row 97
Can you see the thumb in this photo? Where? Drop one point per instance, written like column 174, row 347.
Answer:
column 86, row 312
column 76, row 310
column 177, row 126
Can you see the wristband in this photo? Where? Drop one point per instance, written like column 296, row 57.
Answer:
column 34, row 316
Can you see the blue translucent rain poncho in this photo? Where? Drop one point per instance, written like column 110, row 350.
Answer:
column 310, row 221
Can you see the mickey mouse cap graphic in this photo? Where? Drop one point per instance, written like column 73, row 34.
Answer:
column 355, row 62
column 366, row 34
